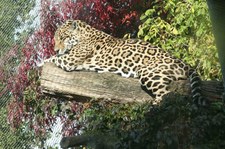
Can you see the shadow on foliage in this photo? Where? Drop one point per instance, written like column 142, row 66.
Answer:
column 175, row 124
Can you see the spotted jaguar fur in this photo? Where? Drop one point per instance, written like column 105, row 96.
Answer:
column 82, row 47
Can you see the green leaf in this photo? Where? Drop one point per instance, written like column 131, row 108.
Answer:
column 174, row 31
column 149, row 12
column 143, row 17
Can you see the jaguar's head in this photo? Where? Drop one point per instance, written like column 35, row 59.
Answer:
column 71, row 33
column 66, row 36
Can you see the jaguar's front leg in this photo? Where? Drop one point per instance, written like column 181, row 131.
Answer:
column 63, row 62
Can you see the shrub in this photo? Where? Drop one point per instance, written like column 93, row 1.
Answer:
column 175, row 124
column 184, row 29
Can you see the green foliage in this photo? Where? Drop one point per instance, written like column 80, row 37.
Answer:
column 13, row 138
column 103, row 116
column 13, row 15
column 120, row 121
column 175, row 124
column 184, row 29
column 10, row 12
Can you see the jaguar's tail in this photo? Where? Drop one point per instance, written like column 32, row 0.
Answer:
column 195, row 82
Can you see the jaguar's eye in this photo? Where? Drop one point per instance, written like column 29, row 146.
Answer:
column 74, row 25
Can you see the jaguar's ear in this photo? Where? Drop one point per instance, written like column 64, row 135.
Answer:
column 59, row 24
column 71, row 23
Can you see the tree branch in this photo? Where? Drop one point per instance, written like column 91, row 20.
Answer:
column 83, row 86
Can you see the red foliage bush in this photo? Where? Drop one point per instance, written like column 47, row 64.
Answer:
column 112, row 16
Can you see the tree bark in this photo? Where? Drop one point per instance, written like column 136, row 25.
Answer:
column 83, row 86
column 217, row 15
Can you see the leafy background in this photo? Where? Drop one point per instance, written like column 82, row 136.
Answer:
column 184, row 29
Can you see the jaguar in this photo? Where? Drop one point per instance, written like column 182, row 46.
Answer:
column 82, row 47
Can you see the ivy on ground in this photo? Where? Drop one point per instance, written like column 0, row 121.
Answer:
column 177, row 124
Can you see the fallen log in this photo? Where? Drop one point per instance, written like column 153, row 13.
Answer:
column 83, row 86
